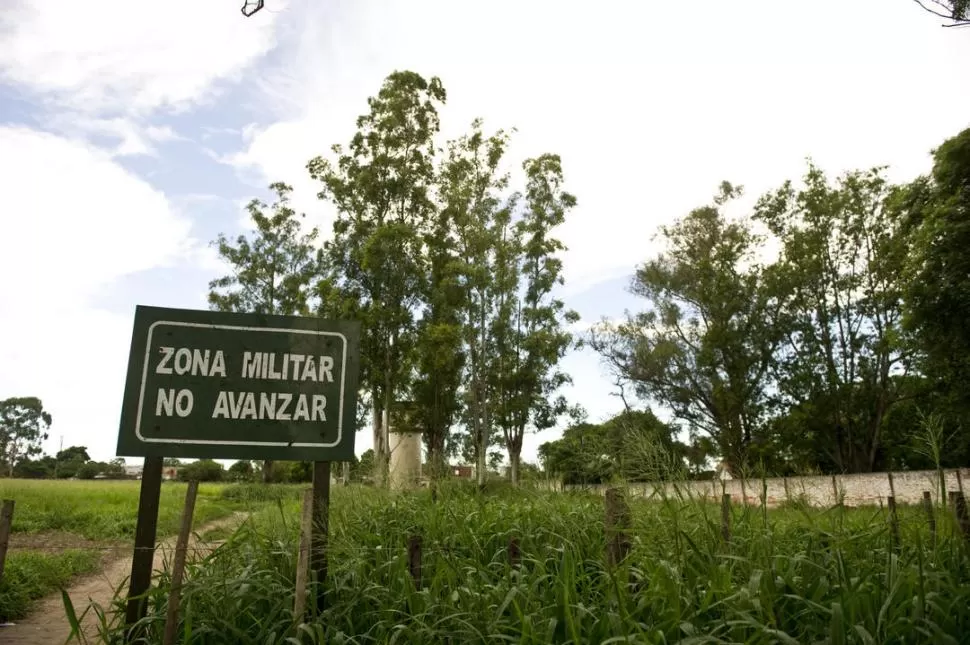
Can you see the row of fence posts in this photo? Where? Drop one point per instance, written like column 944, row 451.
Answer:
column 617, row 526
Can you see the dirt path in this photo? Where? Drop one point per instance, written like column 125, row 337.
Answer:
column 47, row 623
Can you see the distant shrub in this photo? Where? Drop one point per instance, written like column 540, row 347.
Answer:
column 203, row 470
column 259, row 493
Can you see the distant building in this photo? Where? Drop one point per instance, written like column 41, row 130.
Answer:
column 170, row 472
column 133, row 471
column 463, row 472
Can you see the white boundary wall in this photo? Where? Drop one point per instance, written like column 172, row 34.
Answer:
column 856, row 490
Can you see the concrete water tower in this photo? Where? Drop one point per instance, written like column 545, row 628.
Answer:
column 404, row 439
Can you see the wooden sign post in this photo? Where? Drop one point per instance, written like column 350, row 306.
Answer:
column 207, row 384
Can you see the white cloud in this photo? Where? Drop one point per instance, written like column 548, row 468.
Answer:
column 74, row 222
column 649, row 105
column 133, row 138
column 128, row 57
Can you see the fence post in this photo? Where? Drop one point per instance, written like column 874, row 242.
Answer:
column 893, row 522
column 6, row 522
column 726, row 518
column 414, row 559
column 181, row 546
column 515, row 553
column 617, row 525
column 963, row 517
column 303, row 557
column 930, row 517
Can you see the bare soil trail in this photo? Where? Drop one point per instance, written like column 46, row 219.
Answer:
column 47, row 623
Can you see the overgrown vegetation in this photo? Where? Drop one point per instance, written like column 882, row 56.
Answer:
column 793, row 575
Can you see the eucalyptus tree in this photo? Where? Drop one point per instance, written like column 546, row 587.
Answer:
column 272, row 272
column 530, row 331
column 473, row 195
column 382, row 188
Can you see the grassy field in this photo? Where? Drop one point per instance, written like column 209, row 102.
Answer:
column 62, row 529
column 790, row 575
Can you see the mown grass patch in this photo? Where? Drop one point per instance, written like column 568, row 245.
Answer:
column 101, row 514
column 103, row 510
column 787, row 576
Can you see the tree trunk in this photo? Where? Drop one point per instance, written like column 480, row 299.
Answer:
column 515, row 458
column 267, row 471
column 385, row 464
column 482, row 466
column 346, row 473
column 376, row 418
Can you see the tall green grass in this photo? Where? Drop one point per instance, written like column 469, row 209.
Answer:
column 794, row 575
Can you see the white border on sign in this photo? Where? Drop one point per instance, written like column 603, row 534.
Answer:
column 173, row 323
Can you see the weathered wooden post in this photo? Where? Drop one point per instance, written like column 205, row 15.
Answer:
column 321, row 528
column 303, row 557
column 617, row 526
column 6, row 523
column 963, row 517
column 893, row 522
column 930, row 515
column 178, row 567
column 515, row 553
column 145, row 533
column 414, row 559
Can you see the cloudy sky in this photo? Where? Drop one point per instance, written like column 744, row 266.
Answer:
column 132, row 133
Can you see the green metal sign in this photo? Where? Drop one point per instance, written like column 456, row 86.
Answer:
column 240, row 386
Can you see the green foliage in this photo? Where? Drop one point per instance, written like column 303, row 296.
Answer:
column 42, row 468
column 23, row 426
column 937, row 295
column 202, row 470
column 363, row 469
column 73, row 453
column 471, row 191
column 241, row 471
column 530, row 335
column 838, row 289
column 101, row 510
column 272, row 272
column 89, row 470
column 706, row 343
column 797, row 575
column 30, row 575
column 439, row 350
column 632, row 446
column 249, row 494
column 381, row 186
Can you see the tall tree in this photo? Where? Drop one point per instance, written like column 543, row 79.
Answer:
column 23, row 426
column 531, row 333
column 937, row 209
column 839, row 291
column 274, row 272
column 381, row 186
column 471, row 193
column 705, row 344
column 439, row 349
